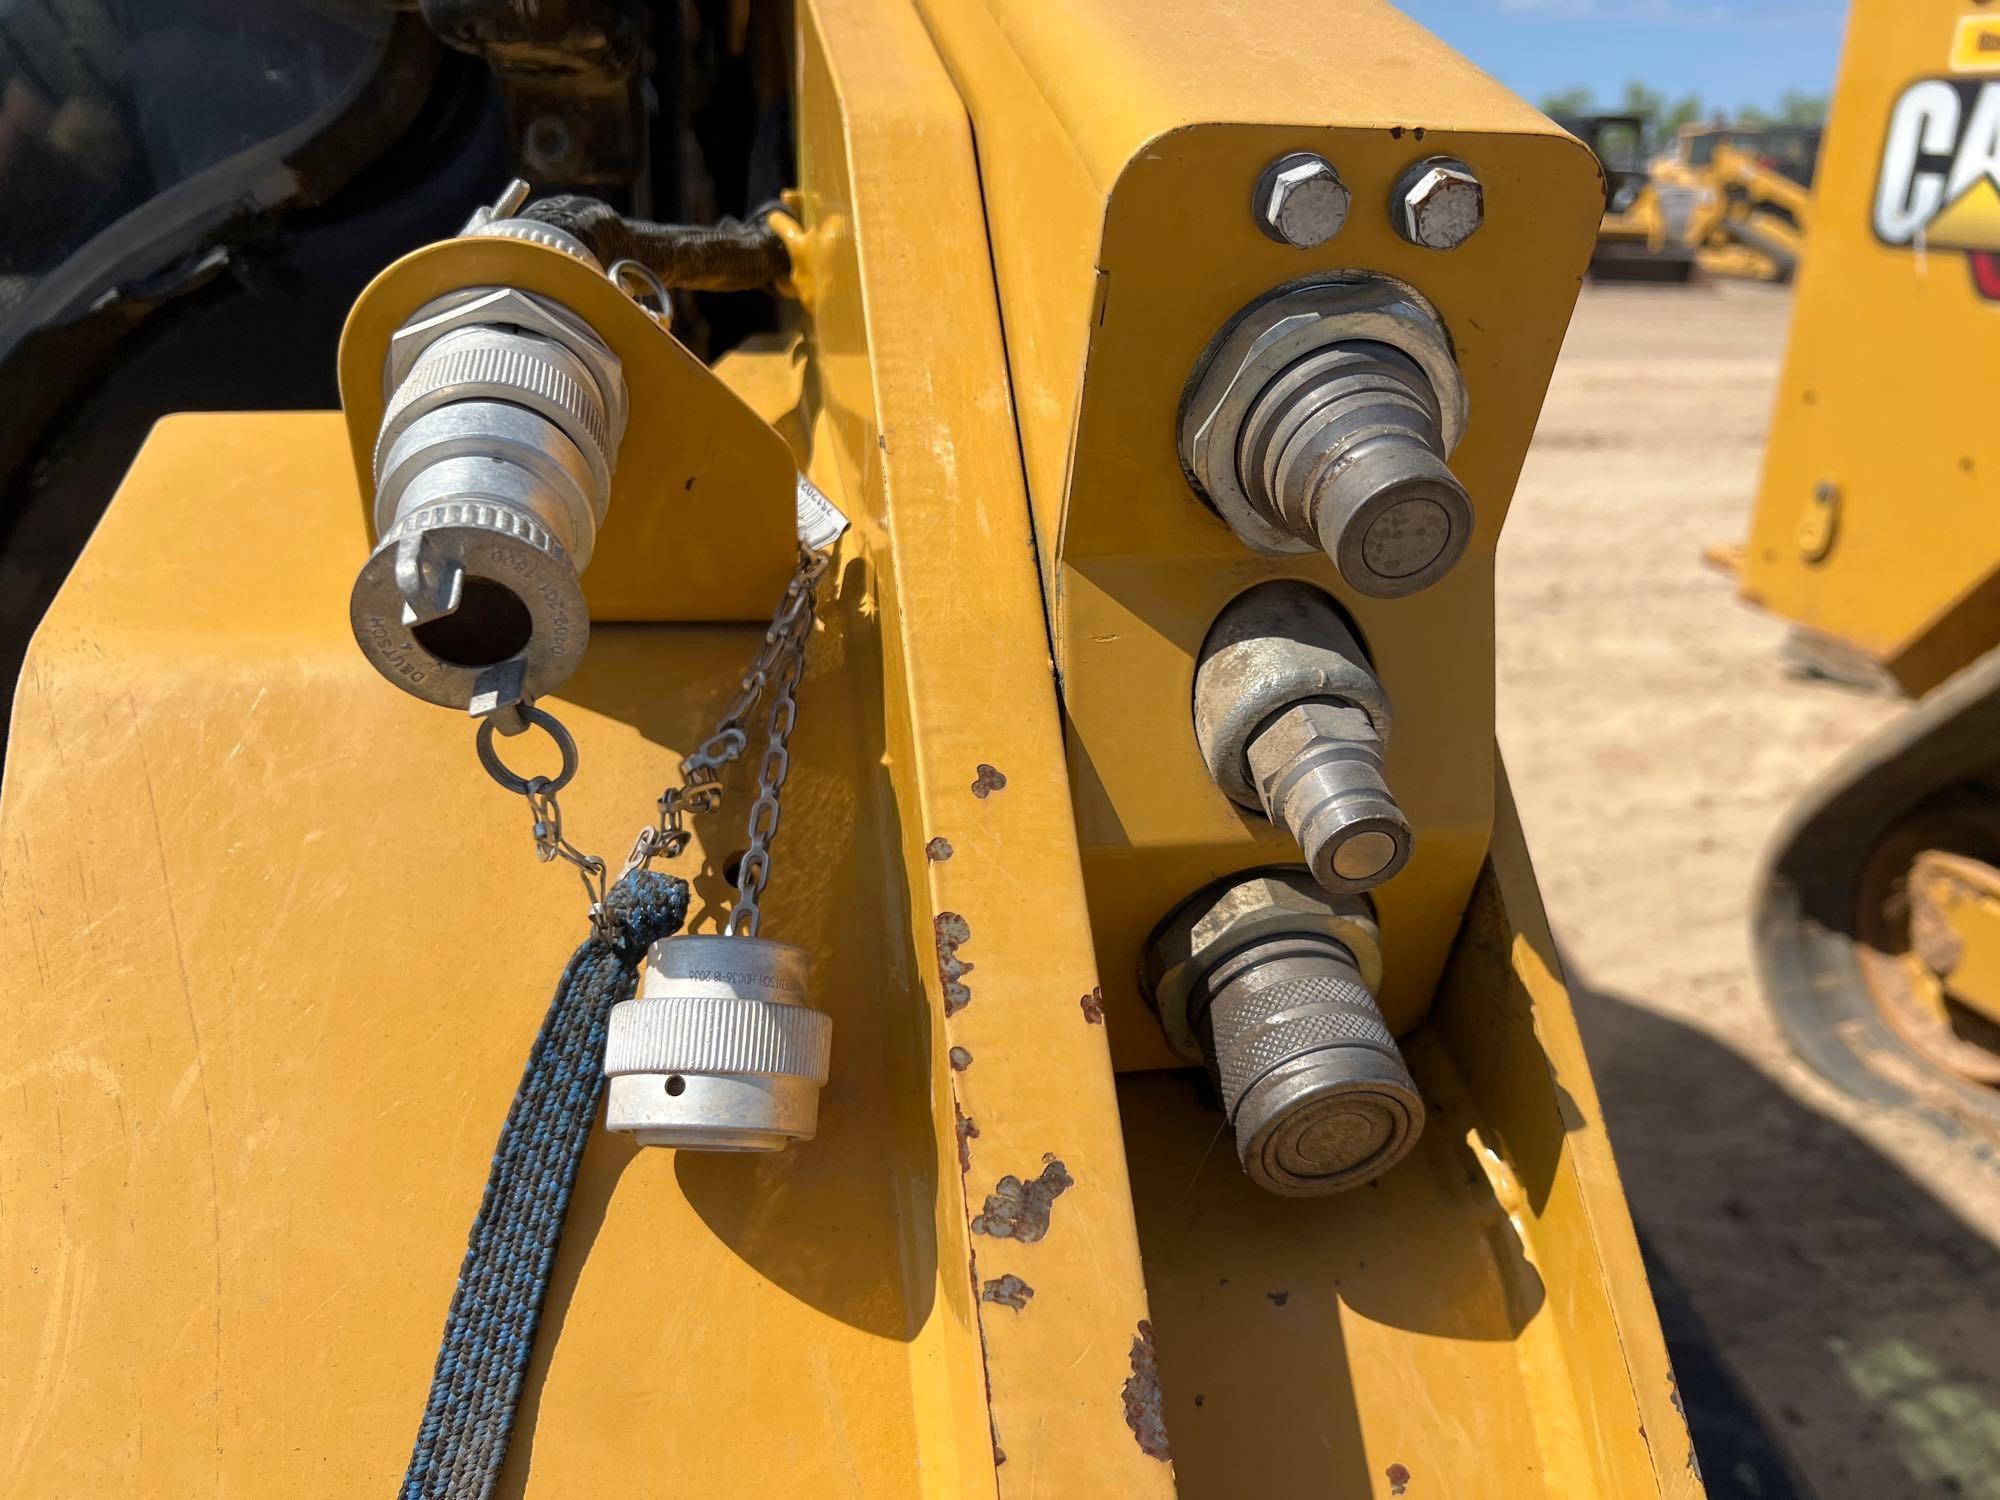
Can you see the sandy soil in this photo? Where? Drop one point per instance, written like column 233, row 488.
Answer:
column 1833, row 1263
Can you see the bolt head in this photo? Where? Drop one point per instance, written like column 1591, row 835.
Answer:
column 1301, row 201
column 1440, row 205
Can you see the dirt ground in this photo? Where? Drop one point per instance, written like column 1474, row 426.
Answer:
column 1827, row 1267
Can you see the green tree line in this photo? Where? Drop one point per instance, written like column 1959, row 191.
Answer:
column 1663, row 117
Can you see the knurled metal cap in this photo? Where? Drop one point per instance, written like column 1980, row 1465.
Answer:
column 720, row 1051
column 493, row 364
column 1309, row 1072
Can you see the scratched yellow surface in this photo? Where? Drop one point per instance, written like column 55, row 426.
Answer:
column 275, row 948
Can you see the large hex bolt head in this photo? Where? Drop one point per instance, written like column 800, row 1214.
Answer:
column 1439, row 204
column 1301, row 201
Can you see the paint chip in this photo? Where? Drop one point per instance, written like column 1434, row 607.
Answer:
column 987, row 782
column 937, row 851
column 1009, row 1291
column 1017, row 1210
column 1142, row 1397
column 952, row 930
column 1279, row 1299
column 967, row 1133
column 960, row 1059
column 1399, row 1478
column 1093, row 1007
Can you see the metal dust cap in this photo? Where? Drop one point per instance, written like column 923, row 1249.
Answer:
column 1310, row 1075
column 721, row 1050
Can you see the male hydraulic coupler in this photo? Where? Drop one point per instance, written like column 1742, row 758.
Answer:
column 492, row 476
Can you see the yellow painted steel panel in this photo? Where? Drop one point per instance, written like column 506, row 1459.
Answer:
column 1878, row 518
column 915, row 422
column 283, row 948
column 1476, row 1322
column 1119, row 142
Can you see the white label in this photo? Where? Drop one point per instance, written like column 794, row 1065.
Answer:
column 820, row 520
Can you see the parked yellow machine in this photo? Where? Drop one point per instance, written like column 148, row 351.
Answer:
column 1739, row 198
column 1633, row 243
column 1877, row 530
column 1135, row 363
column 1759, row 230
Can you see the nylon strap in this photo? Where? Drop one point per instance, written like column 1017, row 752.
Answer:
column 489, row 1333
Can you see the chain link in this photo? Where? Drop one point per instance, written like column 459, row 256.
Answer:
column 777, row 669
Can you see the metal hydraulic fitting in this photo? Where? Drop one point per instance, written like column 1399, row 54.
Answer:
column 1270, row 983
column 493, row 472
column 720, row 1051
column 1322, row 418
column 1292, row 723
column 1300, row 200
column 1438, row 204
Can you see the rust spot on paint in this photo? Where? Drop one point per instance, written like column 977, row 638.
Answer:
column 1093, row 1007
column 1142, row 1397
column 1017, row 1210
column 1399, row 1478
column 987, row 782
column 1279, row 1299
column 952, row 929
column 1009, row 1291
column 960, row 1059
column 967, row 1132
column 999, row 1453
column 937, row 851
column 1200, row 1399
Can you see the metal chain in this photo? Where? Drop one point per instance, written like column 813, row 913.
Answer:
column 779, row 664
column 780, row 660
column 540, row 793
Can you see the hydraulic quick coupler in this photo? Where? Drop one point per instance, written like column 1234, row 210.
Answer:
column 493, row 471
column 1292, row 722
column 1322, row 419
column 1270, row 982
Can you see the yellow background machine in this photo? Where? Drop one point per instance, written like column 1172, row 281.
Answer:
column 1877, row 530
column 275, row 952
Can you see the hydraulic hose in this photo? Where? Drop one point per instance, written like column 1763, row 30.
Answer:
column 727, row 256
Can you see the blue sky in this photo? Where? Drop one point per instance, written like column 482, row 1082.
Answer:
column 1731, row 52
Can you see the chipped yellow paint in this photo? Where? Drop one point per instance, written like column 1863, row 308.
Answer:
column 278, row 949
column 915, row 423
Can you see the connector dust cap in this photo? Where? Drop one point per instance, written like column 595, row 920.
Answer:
column 720, row 1051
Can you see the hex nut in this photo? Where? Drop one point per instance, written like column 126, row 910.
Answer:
column 1301, row 201
column 477, row 306
column 1291, row 733
column 1273, row 646
column 1238, row 911
column 1439, row 204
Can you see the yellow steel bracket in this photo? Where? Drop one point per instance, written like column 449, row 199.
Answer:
column 702, row 522
column 1120, row 141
